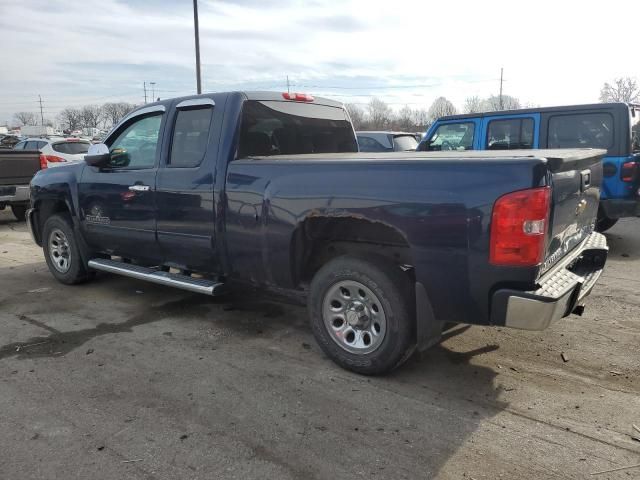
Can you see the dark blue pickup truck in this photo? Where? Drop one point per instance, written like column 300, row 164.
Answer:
column 227, row 190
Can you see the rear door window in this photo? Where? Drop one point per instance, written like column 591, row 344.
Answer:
column 292, row 128
column 71, row 148
column 190, row 137
column 31, row 145
column 20, row 145
column 452, row 136
column 581, row 131
column 510, row 134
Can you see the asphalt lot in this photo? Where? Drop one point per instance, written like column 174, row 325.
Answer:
column 122, row 379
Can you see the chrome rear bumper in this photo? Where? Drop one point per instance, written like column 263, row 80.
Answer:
column 560, row 291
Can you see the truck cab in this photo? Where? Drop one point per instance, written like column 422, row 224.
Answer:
column 611, row 126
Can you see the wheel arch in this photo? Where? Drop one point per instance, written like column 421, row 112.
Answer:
column 318, row 239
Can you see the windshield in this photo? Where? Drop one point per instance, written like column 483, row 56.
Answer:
column 452, row 136
column 405, row 142
column 71, row 148
column 635, row 129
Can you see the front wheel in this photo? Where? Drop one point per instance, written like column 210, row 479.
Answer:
column 361, row 314
column 61, row 251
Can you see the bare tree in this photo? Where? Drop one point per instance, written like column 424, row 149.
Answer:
column 405, row 120
column 622, row 90
column 114, row 112
column 357, row 115
column 421, row 119
column 441, row 107
column 473, row 105
column 90, row 115
column 26, row 118
column 379, row 114
column 493, row 103
column 71, row 118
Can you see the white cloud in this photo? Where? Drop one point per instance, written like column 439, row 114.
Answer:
column 99, row 50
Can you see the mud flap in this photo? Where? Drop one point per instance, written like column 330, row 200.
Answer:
column 428, row 329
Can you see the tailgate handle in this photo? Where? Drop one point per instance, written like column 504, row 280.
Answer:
column 585, row 180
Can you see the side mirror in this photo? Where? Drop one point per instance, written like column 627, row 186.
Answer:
column 98, row 155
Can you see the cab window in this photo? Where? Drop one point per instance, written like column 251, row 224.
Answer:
column 293, row 128
column 452, row 136
column 581, row 131
column 136, row 146
column 190, row 137
column 510, row 134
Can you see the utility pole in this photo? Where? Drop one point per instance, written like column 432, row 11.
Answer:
column 41, row 114
column 153, row 91
column 145, row 91
column 197, row 35
column 501, row 72
column 288, row 90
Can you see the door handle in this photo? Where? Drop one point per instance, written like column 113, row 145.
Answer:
column 139, row 188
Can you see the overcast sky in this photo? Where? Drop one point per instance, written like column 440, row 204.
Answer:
column 405, row 52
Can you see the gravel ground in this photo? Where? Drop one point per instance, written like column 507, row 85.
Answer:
column 122, row 379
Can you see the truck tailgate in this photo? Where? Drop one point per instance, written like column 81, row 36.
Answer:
column 17, row 167
column 575, row 182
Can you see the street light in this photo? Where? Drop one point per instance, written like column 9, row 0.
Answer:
column 153, row 91
column 197, row 35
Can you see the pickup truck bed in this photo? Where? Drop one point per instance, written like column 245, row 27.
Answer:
column 228, row 190
column 17, row 168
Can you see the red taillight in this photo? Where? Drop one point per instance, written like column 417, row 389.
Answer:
column 43, row 161
column 54, row 159
column 519, row 226
column 628, row 171
column 298, row 97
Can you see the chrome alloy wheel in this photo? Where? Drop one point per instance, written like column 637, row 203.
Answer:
column 59, row 250
column 354, row 317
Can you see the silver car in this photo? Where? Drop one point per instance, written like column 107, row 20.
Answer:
column 57, row 150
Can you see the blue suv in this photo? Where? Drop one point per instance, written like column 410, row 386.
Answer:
column 612, row 126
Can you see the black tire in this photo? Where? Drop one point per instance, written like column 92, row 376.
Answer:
column 394, row 292
column 605, row 223
column 20, row 212
column 60, row 226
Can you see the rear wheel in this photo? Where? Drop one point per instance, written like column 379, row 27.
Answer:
column 361, row 314
column 61, row 251
column 19, row 211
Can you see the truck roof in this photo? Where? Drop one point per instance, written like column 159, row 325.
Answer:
column 587, row 106
column 254, row 95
